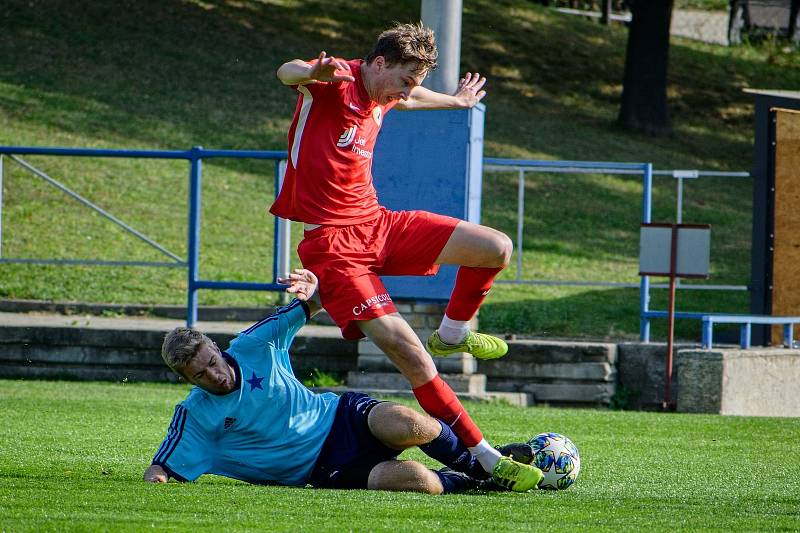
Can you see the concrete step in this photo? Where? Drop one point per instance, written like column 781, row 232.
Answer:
column 566, row 371
column 48, row 346
column 551, row 351
column 85, row 372
column 561, row 393
column 467, row 383
column 42, row 345
column 512, row 398
column 460, row 363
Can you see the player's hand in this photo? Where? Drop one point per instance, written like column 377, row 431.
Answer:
column 156, row 474
column 470, row 88
column 328, row 68
column 301, row 282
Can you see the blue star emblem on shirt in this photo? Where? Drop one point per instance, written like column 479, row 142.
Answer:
column 255, row 382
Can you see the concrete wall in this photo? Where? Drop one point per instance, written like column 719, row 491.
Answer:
column 640, row 369
column 87, row 353
column 724, row 381
column 755, row 382
column 563, row 372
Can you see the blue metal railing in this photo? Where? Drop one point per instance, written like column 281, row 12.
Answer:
column 195, row 156
column 593, row 167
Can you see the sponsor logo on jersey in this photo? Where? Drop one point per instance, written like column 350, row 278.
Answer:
column 376, row 302
column 377, row 115
column 346, row 138
column 349, row 138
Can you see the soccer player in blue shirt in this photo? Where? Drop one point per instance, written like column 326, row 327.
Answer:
column 249, row 418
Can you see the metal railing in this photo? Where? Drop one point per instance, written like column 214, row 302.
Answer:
column 282, row 241
column 195, row 157
column 522, row 167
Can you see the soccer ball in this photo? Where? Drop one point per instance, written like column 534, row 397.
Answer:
column 558, row 458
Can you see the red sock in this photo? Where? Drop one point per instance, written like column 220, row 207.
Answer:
column 472, row 286
column 438, row 400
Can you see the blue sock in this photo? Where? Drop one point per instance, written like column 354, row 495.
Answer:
column 451, row 452
column 453, row 481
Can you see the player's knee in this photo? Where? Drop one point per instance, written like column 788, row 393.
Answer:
column 417, row 429
column 505, row 249
column 401, row 427
column 408, row 476
column 497, row 250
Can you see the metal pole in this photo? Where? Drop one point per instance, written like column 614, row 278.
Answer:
column 673, row 259
column 444, row 18
column 679, row 214
column 670, row 335
column 286, row 233
column 193, row 259
column 644, row 284
column 605, row 14
column 283, row 234
column 520, row 220
column 94, row 207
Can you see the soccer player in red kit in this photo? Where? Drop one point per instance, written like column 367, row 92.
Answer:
column 350, row 239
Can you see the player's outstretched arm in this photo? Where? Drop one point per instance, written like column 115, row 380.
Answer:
column 469, row 92
column 156, row 474
column 303, row 284
column 326, row 68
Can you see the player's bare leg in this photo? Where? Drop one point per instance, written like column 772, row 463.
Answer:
column 482, row 252
column 473, row 245
column 404, row 476
column 392, row 334
column 401, row 427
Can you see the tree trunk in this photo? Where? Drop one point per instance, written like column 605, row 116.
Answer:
column 644, row 91
column 793, row 10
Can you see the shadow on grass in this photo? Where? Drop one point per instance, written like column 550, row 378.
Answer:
column 170, row 73
column 177, row 73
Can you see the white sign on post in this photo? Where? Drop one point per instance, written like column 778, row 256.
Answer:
column 692, row 248
column 674, row 250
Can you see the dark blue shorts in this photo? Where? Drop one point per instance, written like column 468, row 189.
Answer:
column 350, row 452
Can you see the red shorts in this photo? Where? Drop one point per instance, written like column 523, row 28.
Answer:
column 348, row 260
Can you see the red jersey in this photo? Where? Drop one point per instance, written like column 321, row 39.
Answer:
column 328, row 178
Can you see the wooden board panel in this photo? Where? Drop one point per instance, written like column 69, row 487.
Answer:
column 786, row 257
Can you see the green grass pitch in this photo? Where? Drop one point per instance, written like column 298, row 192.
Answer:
column 73, row 455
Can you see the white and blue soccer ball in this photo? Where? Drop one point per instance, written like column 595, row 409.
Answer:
column 556, row 456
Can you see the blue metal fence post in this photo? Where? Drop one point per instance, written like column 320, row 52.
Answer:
column 788, row 334
column 708, row 332
column 193, row 260
column 644, row 284
column 276, row 244
column 745, row 334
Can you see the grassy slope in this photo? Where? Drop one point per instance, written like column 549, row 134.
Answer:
column 176, row 74
column 77, row 465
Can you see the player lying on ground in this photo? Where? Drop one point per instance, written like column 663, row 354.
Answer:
column 249, row 418
column 350, row 239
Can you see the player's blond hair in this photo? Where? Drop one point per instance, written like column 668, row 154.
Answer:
column 406, row 43
column 181, row 345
